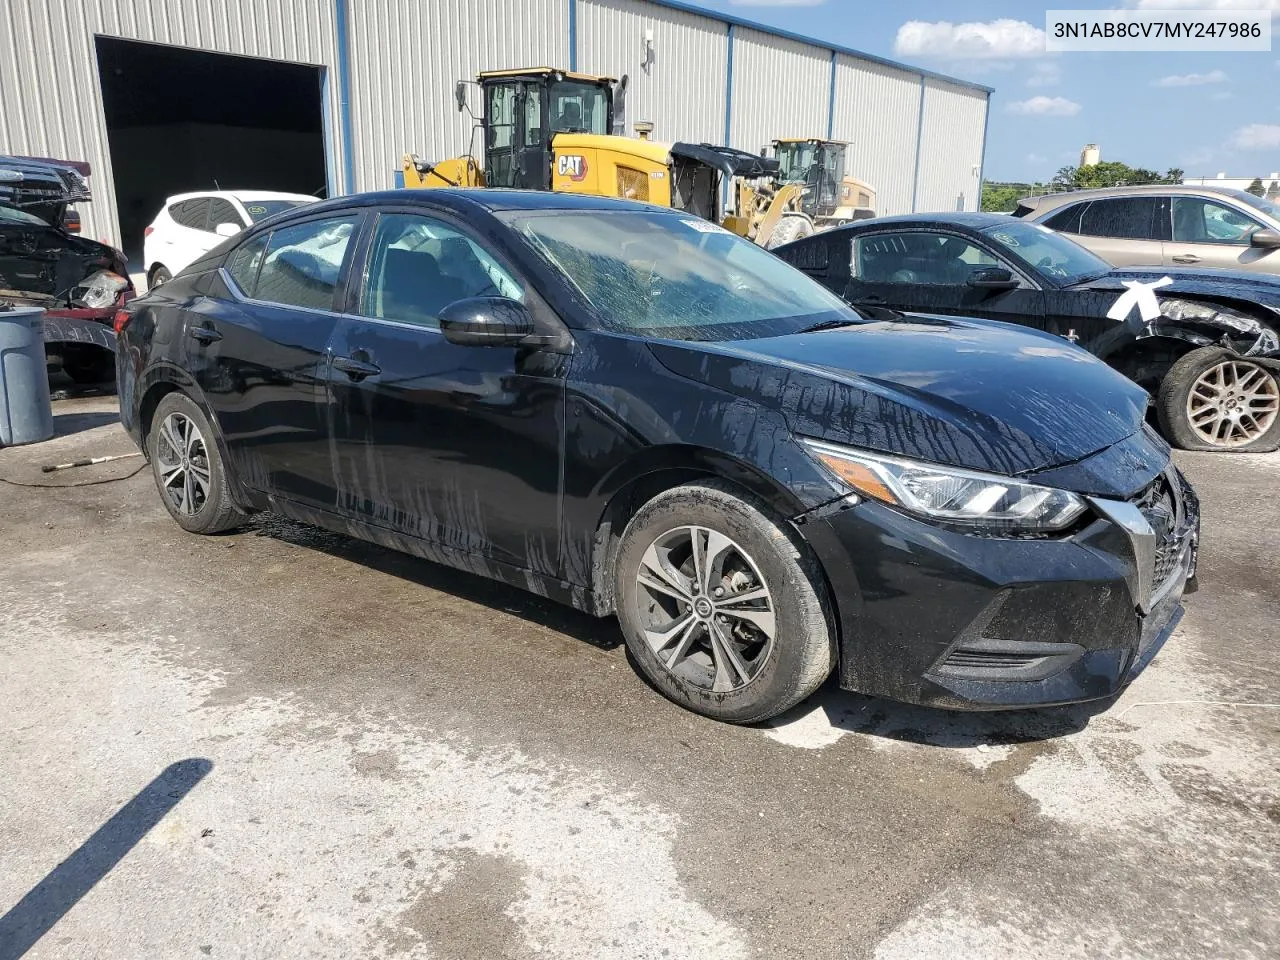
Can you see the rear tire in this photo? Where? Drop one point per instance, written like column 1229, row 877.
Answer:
column 158, row 276
column 1214, row 399
column 723, row 609
column 188, row 467
column 790, row 228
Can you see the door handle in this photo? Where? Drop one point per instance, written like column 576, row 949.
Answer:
column 1185, row 258
column 356, row 368
column 205, row 334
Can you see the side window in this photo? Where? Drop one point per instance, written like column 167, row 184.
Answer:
column 302, row 263
column 221, row 211
column 811, row 256
column 1196, row 220
column 418, row 265
column 193, row 214
column 1123, row 218
column 533, row 116
column 1067, row 220
column 928, row 258
column 244, row 262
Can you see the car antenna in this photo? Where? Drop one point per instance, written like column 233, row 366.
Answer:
column 216, row 185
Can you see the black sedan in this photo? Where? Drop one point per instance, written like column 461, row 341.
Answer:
column 1203, row 342
column 635, row 412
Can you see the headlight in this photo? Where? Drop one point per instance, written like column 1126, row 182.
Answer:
column 984, row 502
column 100, row 290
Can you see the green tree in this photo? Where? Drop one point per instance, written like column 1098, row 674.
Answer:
column 1256, row 187
column 1111, row 173
column 1173, row 175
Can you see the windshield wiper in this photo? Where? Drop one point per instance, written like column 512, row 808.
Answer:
column 828, row 325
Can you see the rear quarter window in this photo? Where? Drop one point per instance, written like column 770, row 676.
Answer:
column 243, row 264
column 1067, row 220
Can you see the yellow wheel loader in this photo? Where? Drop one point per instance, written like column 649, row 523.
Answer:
column 549, row 129
column 807, row 191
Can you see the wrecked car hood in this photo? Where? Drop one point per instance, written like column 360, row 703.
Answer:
column 969, row 393
column 1218, row 285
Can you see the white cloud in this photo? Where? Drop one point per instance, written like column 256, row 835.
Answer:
column 1191, row 79
column 1218, row 5
column 1036, row 158
column 1257, row 136
column 1046, row 73
column 1045, row 107
column 996, row 39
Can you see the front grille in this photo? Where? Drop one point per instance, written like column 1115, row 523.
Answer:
column 1159, row 506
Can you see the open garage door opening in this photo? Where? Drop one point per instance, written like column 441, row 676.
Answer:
column 181, row 120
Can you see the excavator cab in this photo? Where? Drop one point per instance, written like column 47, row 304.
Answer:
column 819, row 165
column 523, row 109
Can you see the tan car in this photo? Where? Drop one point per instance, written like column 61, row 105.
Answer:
column 1167, row 225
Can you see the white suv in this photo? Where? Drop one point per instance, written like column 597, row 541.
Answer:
column 191, row 224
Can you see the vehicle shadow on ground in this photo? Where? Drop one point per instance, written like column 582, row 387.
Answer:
column 832, row 712
column 66, row 884
column 65, row 424
column 597, row 631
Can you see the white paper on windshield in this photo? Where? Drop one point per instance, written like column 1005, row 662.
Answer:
column 704, row 226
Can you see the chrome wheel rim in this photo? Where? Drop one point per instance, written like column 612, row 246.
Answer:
column 707, row 613
column 182, row 462
column 1233, row 403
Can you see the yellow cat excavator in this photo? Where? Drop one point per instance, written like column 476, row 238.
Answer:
column 550, row 129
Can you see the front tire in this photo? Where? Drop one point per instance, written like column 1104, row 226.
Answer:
column 188, row 468
column 723, row 610
column 1214, row 399
column 158, row 276
column 790, row 228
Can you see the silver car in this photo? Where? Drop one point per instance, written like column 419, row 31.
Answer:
column 1166, row 225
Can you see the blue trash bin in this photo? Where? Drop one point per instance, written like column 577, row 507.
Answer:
column 26, row 415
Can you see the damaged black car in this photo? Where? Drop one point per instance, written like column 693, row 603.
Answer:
column 1204, row 343
column 79, row 282
column 635, row 412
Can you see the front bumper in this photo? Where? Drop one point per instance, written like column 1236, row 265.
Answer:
column 933, row 616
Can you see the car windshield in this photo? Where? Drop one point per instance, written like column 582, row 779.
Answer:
column 261, row 209
column 677, row 277
column 1049, row 252
column 1258, row 203
column 10, row 214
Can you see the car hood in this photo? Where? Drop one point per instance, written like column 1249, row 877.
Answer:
column 970, row 393
column 1202, row 284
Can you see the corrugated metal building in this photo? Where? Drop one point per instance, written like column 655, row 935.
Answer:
column 379, row 77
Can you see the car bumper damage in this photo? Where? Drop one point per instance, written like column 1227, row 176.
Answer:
column 934, row 616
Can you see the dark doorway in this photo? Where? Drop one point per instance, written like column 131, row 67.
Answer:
column 180, row 120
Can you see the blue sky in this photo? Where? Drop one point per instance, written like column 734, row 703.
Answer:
column 1204, row 112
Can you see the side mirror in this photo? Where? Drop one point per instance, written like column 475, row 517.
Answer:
column 460, row 95
column 486, row 322
column 992, row 278
column 227, row 229
column 1267, row 239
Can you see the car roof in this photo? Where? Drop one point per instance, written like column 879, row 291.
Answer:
column 1051, row 201
column 969, row 220
column 494, row 200
column 237, row 195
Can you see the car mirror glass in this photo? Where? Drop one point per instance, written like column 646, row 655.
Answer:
column 226, row 229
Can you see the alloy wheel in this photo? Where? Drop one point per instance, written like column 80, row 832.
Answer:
column 1233, row 403
column 183, row 462
column 707, row 613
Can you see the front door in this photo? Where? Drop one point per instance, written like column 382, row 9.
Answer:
column 928, row 272
column 517, row 153
column 259, row 352
column 456, row 445
column 1211, row 234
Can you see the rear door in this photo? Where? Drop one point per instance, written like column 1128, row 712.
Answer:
column 1207, row 233
column 928, row 271
column 460, row 446
column 258, row 347
column 1125, row 231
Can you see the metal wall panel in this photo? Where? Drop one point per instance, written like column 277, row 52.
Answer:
column 877, row 111
column 50, row 99
column 680, row 85
column 951, row 148
column 781, row 88
column 406, row 56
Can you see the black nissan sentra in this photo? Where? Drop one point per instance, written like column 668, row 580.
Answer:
column 632, row 411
